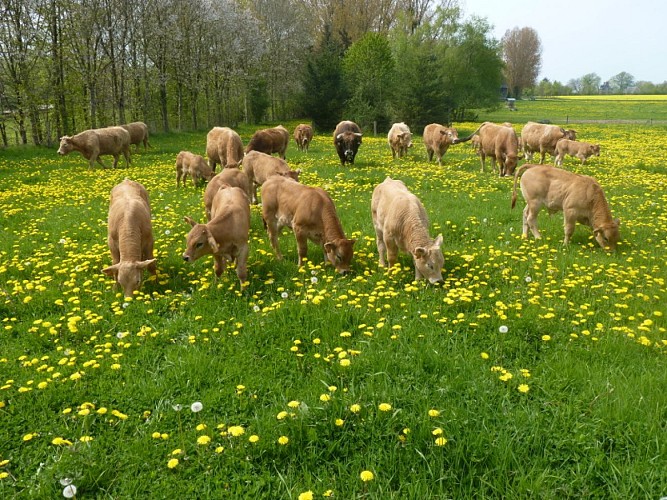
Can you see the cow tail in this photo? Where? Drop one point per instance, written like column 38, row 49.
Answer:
column 517, row 174
column 466, row 139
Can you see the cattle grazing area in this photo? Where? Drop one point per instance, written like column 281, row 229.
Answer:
column 532, row 370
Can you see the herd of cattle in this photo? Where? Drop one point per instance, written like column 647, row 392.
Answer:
column 399, row 218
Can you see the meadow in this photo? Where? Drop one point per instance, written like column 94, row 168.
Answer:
column 534, row 371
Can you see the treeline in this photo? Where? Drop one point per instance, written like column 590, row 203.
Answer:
column 69, row 65
column 592, row 84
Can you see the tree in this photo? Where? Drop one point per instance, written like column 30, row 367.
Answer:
column 590, row 84
column 522, row 53
column 622, row 82
column 368, row 67
column 323, row 95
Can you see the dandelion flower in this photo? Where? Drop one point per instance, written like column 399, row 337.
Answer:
column 254, row 438
column 281, row 415
column 366, row 476
column 546, row 338
column 196, row 407
column 86, row 439
column 433, row 413
column 384, row 407
column 484, row 355
column 156, row 435
column 339, row 422
column 29, row 437
column 203, row 440
column 523, row 388
column 4, row 475
column 306, row 495
column 325, row 397
column 293, row 404
column 283, row 440
column 172, row 463
column 236, row 430
column 355, row 408
column 437, row 431
column 441, row 441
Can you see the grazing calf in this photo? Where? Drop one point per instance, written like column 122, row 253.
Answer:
column 401, row 223
column 233, row 177
column 225, row 236
column 260, row 166
column 542, row 138
column 138, row 133
column 130, row 236
column 498, row 142
column 399, row 139
column 579, row 197
column 311, row 214
column 269, row 141
column 96, row 142
column 224, row 147
column 303, row 136
column 194, row 166
column 437, row 139
column 581, row 150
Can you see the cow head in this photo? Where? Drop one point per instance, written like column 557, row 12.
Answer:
column 66, row 145
column 595, row 149
column 292, row 174
column 449, row 135
column 510, row 161
column 128, row 274
column 199, row 241
column 339, row 253
column 608, row 235
column 347, row 144
column 429, row 261
column 569, row 134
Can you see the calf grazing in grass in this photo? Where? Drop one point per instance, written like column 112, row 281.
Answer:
column 223, row 147
column 233, row 177
column 260, row 166
column 581, row 150
column 130, row 236
column 193, row 166
column 225, row 236
column 138, row 133
column 401, row 223
column 93, row 143
column 542, row 138
column 311, row 214
column 579, row 197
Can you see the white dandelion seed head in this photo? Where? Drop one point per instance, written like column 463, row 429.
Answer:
column 528, row 279
column 66, row 481
column 62, row 241
column 484, row 220
column 255, row 308
column 69, row 491
column 196, row 407
column 284, row 295
column 125, row 304
column 503, row 329
column 313, row 280
column 167, row 232
column 177, row 407
column 313, row 272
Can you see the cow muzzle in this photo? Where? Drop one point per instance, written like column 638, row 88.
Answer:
column 186, row 257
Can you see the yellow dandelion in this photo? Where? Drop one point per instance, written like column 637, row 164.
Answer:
column 366, row 476
column 254, row 438
column 355, row 408
column 203, row 440
column 306, row 495
column 433, row 413
column 283, row 440
column 384, row 407
column 441, row 441
column 172, row 463
column 523, row 388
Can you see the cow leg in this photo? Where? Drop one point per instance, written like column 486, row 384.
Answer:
column 482, row 158
column 115, row 160
column 242, row 264
column 392, row 251
column 530, row 218
column 429, row 153
column 273, row 230
column 558, row 160
column 302, row 245
column 97, row 158
column 220, row 264
column 254, row 192
column 542, row 156
column 569, row 221
column 382, row 248
column 128, row 159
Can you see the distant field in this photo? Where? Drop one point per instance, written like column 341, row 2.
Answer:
column 573, row 109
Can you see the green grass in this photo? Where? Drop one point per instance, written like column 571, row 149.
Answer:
column 585, row 332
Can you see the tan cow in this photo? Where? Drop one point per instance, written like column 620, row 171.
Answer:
column 311, row 214
column 260, row 166
column 130, row 236
column 233, row 177
column 437, row 139
column 578, row 149
column 193, row 166
column 96, row 142
column 269, row 141
column 225, row 236
column 543, row 138
column 138, row 133
column 401, row 223
column 498, row 142
column 224, row 147
column 399, row 139
column 579, row 197
column 303, row 136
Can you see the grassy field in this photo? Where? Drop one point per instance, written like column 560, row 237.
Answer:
column 534, row 371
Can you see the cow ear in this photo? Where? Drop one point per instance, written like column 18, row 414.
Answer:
column 438, row 241
column 329, row 247
column 211, row 241
column 353, row 241
column 145, row 263
column 617, row 222
column 419, row 252
column 111, row 270
column 189, row 220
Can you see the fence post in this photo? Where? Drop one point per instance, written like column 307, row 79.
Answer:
column 375, row 128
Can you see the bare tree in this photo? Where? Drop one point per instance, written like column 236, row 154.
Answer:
column 522, row 53
column 622, row 82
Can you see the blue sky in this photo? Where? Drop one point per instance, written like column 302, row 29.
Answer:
column 587, row 36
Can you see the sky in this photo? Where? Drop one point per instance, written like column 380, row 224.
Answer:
column 579, row 37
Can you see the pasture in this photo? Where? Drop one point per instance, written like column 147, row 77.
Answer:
column 534, row 370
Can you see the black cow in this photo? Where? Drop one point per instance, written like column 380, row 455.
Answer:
column 347, row 139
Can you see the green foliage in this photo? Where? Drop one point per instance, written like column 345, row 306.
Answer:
column 324, row 91
column 259, row 100
column 368, row 67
